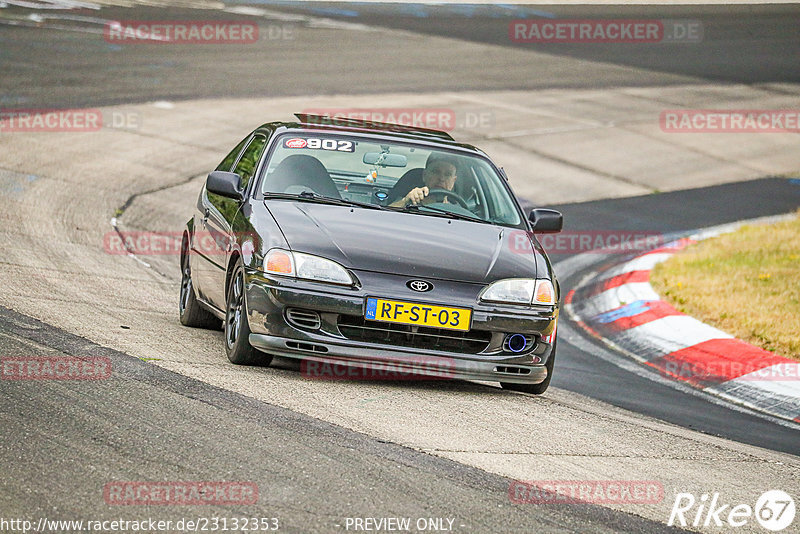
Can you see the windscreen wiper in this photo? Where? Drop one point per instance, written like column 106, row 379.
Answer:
column 442, row 213
column 310, row 196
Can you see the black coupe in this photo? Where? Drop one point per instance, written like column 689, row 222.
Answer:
column 370, row 245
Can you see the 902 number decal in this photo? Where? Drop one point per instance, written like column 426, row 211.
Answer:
column 316, row 143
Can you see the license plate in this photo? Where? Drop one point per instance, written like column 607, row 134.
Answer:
column 398, row 311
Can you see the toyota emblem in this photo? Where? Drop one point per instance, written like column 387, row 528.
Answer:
column 419, row 285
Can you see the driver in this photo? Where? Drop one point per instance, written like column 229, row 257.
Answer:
column 439, row 173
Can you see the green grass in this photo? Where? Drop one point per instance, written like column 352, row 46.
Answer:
column 746, row 283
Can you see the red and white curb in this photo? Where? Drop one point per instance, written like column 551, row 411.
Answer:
column 621, row 308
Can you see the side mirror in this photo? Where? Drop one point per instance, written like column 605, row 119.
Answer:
column 225, row 184
column 546, row 221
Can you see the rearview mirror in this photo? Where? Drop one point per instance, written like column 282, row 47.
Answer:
column 382, row 159
column 546, row 221
column 226, row 184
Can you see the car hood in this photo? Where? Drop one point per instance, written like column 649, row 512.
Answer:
column 403, row 243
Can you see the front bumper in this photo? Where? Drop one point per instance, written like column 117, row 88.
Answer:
column 267, row 299
column 395, row 363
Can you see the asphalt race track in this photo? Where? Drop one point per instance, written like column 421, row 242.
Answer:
column 321, row 452
column 311, row 470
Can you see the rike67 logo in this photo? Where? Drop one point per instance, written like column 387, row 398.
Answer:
column 774, row 510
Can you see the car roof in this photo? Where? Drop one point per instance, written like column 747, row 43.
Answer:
column 382, row 129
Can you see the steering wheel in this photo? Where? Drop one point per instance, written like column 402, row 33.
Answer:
column 447, row 193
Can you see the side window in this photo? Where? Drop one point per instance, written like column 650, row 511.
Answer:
column 230, row 159
column 247, row 164
column 501, row 209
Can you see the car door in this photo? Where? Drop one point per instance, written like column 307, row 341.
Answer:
column 200, row 259
column 218, row 217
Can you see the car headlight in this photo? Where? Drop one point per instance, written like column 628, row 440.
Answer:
column 305, row 266
column 520, row 291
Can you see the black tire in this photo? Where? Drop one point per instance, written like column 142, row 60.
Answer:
column 535, row 389
column 237, row 329
column 189, row 310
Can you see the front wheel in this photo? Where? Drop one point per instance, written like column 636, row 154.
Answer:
column 535, row 389
column 237, row 329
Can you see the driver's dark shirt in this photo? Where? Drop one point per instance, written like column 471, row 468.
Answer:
column 406, row 183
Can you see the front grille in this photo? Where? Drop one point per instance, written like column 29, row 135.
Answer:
column 311, row 347
column 417, row 337
column 509, row 370
column 303, row 318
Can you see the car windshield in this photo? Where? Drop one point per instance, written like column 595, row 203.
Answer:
column 381, row 173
